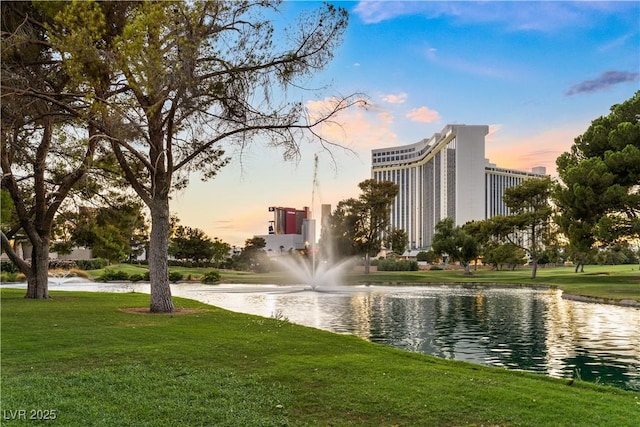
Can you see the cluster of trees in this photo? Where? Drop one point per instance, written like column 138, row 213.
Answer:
column 357, row 225
column 143, row 94
column 598, row 198
column 116, row 232
column 192, row 244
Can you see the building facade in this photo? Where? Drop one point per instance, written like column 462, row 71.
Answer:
column 290, row 230
column 444, row 176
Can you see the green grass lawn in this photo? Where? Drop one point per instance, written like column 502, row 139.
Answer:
column 84, row 356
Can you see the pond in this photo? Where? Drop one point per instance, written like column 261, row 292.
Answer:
column 527, row 329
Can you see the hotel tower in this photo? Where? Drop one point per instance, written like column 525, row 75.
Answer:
column 446, row 175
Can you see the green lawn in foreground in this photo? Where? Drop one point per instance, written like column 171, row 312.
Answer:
column 81, row 355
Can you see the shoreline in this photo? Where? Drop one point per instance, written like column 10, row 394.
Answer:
column 567, row 296
column 594, row 300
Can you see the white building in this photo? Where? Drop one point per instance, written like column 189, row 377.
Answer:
column 444, row 176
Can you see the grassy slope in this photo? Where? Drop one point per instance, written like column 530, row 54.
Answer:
column 97, row 365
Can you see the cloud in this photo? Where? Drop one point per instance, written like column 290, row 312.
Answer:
column 515, row 16
column 524, row 153
column 468, row 65
column 604, row 81
column 357, row 127
column 423, row 114
column 616, row 43
column 372, row 12
column 493, row 131
column 399, row 98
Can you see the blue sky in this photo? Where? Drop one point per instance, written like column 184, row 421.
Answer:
column 536, row 72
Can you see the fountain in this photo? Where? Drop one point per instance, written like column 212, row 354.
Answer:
column 309, row 270
column 63, row 277
column 324, row 273
column 59, row 276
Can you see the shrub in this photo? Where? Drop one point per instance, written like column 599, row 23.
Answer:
column 435, row 268
column 211, row 277
column 136, row 277
column 62, row 264
column 393, row 265
column 8, row 267
column 7, row 277
column 174, row 276
column 110, row 275
column 92, row 264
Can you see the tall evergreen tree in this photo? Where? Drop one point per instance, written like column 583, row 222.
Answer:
column 358, row 224
column 598, row 198
column 45, row 151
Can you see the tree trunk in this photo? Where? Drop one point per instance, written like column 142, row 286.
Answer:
column 467, row 270
column 38, row 280
column 534, row 267
column 577, row 266
column 161, row 301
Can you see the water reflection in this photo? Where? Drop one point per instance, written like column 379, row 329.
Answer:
column 526, row 329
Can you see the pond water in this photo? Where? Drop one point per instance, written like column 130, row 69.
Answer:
column 516, row 328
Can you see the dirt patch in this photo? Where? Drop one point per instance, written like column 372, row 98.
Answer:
column 178, row 311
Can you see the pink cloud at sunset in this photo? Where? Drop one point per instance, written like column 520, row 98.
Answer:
column 423, row 114
column 399, row 98
column 524, row 153
column 361, row 127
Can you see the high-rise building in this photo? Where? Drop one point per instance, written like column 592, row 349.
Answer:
column 446, row 175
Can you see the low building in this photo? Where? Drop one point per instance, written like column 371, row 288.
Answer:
column 290, row 230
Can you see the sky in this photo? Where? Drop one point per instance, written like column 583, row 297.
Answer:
column 537, row 73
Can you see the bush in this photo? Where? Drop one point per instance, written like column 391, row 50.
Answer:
column 136, row 277
column 8, row 267
column 435, row 268
column 189, row 264
column 174, row 276
column 62, row 264
column 211, row 277
column 7, row 277
column 110, row 275
column 393, row 265
column 92, row 264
